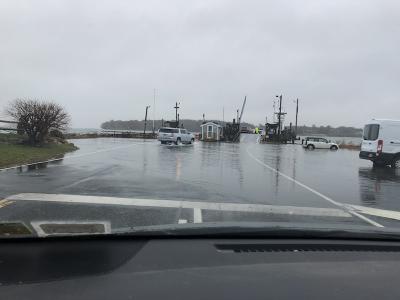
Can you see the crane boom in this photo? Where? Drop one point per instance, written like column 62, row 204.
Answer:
column 241, row 113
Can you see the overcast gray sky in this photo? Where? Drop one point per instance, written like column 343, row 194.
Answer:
column 102, row 59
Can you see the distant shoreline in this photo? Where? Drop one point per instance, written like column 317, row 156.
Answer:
column 194, row 126
column 111, row 134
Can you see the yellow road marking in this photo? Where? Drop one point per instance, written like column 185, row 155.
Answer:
column 4, row 203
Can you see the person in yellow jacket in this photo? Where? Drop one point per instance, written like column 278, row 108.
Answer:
column 257, row 130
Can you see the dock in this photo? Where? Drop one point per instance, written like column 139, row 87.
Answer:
column 114, row 134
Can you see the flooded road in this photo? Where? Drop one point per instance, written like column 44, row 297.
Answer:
column 245, row 173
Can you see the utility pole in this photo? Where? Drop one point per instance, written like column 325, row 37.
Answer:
column 176, row 114
column 154, row 109
column 223, row 116
column 297, row 113
column 145, row 120
column 279, row 115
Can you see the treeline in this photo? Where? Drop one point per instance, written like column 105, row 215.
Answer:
column 341, row 131
column 194, row 126
column 191, row 125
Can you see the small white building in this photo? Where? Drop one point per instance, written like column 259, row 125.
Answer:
column 211, row 132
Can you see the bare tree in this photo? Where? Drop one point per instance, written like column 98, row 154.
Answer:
column 36, row 118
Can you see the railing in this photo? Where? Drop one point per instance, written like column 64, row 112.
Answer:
column 112, row 133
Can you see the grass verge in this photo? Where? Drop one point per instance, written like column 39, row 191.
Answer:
column 350, row 147
column 14, row 155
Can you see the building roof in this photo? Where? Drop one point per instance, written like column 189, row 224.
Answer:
column 210, row 123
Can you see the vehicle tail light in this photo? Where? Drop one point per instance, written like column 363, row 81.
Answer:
column 380, row 147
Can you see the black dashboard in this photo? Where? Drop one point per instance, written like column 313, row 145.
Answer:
column 184, row 268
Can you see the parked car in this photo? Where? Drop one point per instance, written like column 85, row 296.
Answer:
column 168, row 135
column 381, row 142
column 312, row 143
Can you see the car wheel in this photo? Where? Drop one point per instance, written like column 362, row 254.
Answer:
column 310, row 147
column 334, row 147
column 396, row 163
column 178, row 141
column 191, row 141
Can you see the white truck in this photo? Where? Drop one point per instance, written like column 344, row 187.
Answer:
column 168, row 135
column 381, row 143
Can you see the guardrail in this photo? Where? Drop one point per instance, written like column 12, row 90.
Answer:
column 8, row 129
column 10, row 122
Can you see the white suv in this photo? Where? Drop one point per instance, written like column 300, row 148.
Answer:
column 168, row 135
column 312, row 143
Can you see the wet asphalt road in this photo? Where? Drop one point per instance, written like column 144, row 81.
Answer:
column 209, row 172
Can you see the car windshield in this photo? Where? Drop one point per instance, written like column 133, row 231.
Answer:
column 169, row 130
column 123, row 116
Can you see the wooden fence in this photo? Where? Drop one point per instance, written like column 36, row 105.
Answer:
column 3, row 127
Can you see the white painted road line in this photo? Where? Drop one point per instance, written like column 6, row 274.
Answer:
column 383, row 213
column 71, row 156
column 69, row 227
column 197, row 215
column 4, row 203
column 232, row 207
column 326, row 198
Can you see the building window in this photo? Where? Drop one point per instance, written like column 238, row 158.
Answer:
column 209, row 131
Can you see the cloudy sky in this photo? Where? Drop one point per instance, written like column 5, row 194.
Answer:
column 102, row 59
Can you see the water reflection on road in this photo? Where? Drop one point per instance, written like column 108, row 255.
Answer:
column 215, row 172
column 380, row 187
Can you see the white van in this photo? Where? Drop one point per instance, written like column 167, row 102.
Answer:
column 381, row 142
